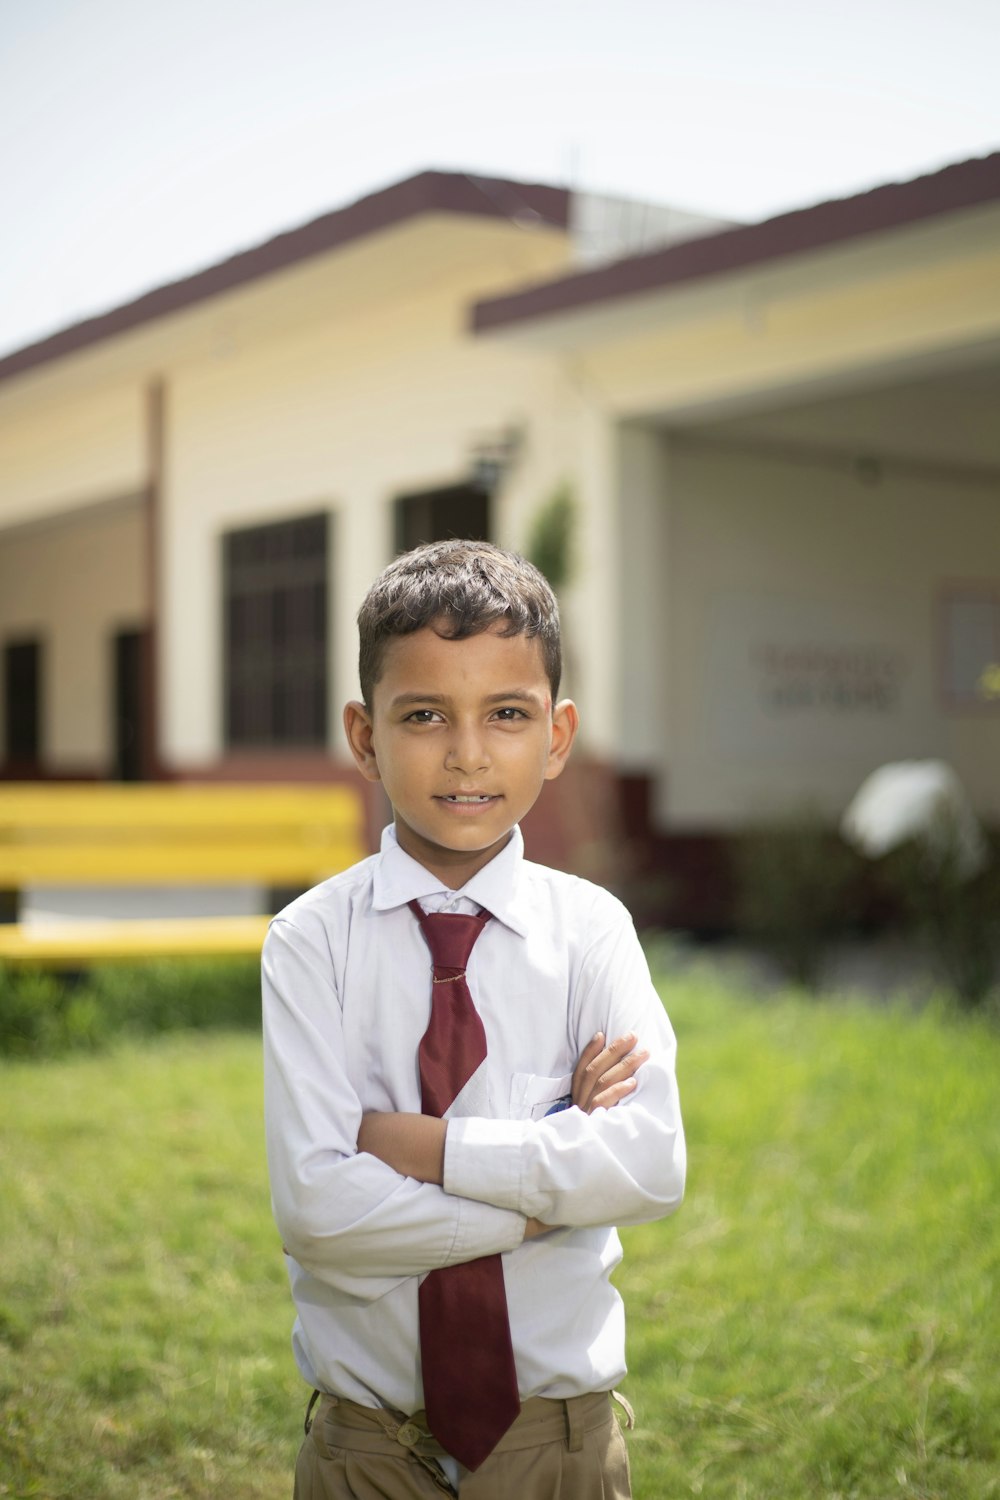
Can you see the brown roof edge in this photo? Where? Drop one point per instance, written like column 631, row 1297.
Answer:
column 428, row 192
column 966, row 185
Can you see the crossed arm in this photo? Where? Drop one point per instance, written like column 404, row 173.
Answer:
column 362, row 1226
column 414, row 1145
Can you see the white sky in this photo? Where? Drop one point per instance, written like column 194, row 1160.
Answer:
column 143, row 139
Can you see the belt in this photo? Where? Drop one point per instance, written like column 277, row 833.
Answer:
column 373, row 1429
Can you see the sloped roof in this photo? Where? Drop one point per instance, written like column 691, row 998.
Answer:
column 955, row 188
column 428, row 192
column 966, row 185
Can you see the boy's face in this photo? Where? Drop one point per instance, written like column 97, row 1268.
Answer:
column 462, row 734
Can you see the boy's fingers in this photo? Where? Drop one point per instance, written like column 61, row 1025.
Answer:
column 581, row 1073
column 607, row 1056
column 602, row 1067
column 616, row 1055
column 607, row 1098
column 623, row 1069
column 590, row 1053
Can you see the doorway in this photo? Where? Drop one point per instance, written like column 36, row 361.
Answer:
column 129, row 738
column 22, row 691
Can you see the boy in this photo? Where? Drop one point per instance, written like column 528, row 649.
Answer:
column 450, row 1140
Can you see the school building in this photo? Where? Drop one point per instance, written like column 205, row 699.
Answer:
column 782, row 441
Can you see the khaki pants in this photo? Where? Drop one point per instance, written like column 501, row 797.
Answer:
column 556, row 1450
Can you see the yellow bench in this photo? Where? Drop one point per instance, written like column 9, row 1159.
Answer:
column 165, row 834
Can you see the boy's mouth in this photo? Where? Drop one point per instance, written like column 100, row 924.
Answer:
column 466, row 797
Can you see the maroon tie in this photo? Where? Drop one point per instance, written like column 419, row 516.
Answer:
column 470, row 1382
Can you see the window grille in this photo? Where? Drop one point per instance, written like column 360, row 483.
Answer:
column 276, row 647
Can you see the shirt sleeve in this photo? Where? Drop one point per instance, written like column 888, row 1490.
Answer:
column 624, row 1165
column 345, row 1216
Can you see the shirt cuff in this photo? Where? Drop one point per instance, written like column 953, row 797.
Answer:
column 484, row 1230
column 483, row 1160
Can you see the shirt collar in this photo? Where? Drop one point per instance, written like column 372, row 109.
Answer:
column 497, row 887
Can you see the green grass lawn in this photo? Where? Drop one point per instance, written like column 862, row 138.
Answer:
column 821, row 1319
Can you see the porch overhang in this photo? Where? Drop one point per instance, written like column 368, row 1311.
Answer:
column 904, row 279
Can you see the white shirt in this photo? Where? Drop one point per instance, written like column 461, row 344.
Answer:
column 347, row 985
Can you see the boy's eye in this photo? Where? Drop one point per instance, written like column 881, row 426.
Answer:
column 508, row 715
column 422, row 716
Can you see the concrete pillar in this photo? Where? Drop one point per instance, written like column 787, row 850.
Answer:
column 643, row 617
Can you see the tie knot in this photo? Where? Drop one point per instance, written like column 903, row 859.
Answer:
column 450, row 936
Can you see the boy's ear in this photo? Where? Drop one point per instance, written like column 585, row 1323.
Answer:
column 358, row 728
column 565, row 723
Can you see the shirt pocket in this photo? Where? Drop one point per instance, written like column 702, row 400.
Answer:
column 532, row 1097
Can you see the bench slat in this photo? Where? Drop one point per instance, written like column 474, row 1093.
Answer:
column 174, row 834
column 62, row 806
column 78, row 944
column 178, row 863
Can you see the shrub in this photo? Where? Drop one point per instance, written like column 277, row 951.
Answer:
column 796, row 889
column 550, row 540
column 32, row 1007
column 43, row 1013
column 956, row 915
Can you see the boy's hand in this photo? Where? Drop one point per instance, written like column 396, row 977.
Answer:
column 603, row 1075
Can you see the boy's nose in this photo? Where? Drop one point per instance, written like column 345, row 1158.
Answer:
column 467, row 753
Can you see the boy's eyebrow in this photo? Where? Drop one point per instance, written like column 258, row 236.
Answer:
column 514, row 695
column 402, row 700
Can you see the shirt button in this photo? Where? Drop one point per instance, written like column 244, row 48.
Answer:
column 408, row 1435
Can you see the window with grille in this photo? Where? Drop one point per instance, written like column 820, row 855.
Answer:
column 462, row 510
column 275, row 598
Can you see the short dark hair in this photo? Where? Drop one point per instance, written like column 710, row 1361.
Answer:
column 461, row 588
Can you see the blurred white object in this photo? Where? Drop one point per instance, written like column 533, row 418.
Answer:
column 916, row 799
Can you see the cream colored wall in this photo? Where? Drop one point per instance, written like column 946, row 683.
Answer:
column 62, row 453
column 74, row 582
column 768, row 556
column 343, row 416
column 338, row 384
